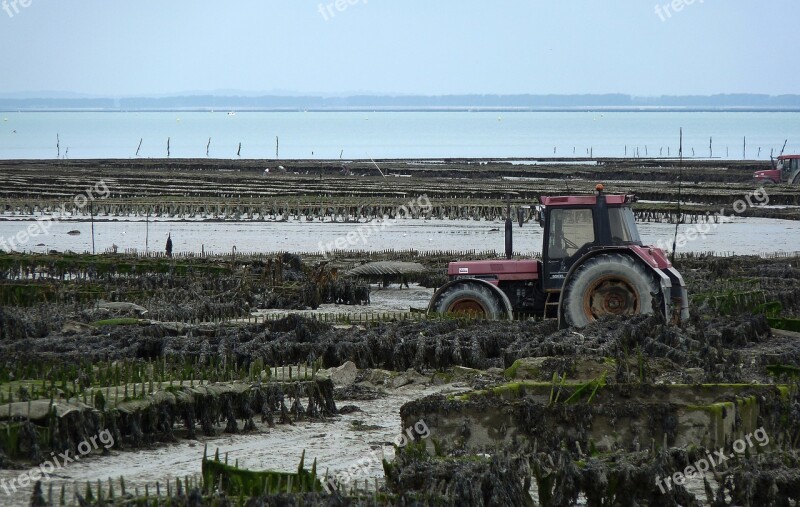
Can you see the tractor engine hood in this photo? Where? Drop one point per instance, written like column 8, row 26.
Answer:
column 498, row 269
column 768, row 173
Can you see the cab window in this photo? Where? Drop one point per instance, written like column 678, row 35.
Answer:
column 570, row 230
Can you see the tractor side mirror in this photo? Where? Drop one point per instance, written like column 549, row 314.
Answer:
column 540, row 216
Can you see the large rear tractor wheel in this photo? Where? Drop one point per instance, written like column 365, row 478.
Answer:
column 470, row 299
column 608, row 285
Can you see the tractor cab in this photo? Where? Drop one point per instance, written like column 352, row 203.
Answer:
column 789, row 167
column 786, row 169
column 575, row 226
column 784, row 163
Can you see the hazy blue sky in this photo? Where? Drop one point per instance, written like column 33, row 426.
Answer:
column 122, row 47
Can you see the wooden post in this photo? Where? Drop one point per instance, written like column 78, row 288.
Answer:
column 91, row 213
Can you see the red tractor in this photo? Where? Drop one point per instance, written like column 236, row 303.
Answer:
column 785, row 170
column 593, row 264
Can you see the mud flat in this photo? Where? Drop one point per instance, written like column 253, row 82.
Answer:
column 619, row 417
column 267, row 355
column 513, row 412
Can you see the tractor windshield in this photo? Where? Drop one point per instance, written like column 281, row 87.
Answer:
column 623, row 226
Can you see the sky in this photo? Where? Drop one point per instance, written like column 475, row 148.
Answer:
column 116, row 48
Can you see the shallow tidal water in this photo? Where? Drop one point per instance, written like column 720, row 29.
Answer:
column 740, row 236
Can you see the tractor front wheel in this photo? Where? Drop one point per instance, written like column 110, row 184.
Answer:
column 470, row 299
column 608, row 285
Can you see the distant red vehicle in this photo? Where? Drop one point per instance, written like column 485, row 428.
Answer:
column 785, row 170
column 593, row 264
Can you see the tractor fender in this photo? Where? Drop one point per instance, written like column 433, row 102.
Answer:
column 501, row 296
column 664, row 280
column 679, row 294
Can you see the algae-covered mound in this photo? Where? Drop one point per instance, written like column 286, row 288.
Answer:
column 224, row 478
column 771, row 480
column 722, row 349
column 185, row 290
column 496, row 480
column 710, row 345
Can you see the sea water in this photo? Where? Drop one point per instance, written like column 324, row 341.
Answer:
column 363, row 135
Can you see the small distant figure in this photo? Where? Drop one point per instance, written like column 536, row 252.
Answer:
column 169, row 245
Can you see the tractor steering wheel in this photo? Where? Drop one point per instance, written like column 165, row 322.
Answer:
column 569, row 244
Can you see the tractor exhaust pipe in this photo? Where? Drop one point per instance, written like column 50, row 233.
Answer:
column 509, row 234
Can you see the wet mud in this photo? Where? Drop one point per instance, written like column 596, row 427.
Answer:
column 244, row 351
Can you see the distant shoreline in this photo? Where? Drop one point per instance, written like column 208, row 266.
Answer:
column 731, row 102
